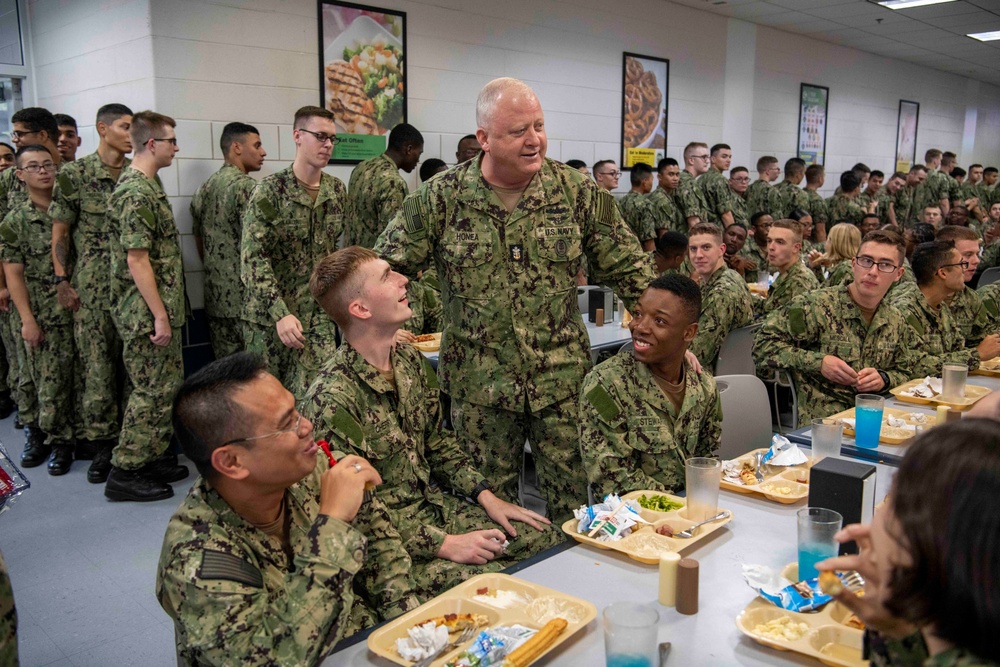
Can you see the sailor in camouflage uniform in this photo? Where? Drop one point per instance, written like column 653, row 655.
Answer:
column 382, row 402
column 844, row 206
column 689, row 196
column 755, row 247
column 273, row 556
column 26, row 249
column 81, row 233
column 146, row 254
column 725, row 298
column 842, row 341
column 644, row 411
column 975, row 318
column 294, row 219
column 784, row 242
column 8, row 617
column 938, row 267
column 663, row 200
column 715, row 187
column 790, row 195
column 635, row 206
column 507, row 233
column 762, row 197
column 376, row 190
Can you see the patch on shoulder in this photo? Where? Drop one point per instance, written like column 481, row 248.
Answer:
column 267, row 210
column 914, row 322
column 604, row 209
column 348, row 426
column 796, row 320
column 222, row 565
column 412, row 215
column 603, row 403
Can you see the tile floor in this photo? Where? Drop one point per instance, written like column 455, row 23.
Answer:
column 83, row 570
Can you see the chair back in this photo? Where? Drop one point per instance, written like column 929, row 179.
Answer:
column 735, row 355
column 989, row 276
column 746, row 415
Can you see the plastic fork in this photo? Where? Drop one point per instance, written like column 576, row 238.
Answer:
column 466, row 635
column 684, row 534
column 853, row 581
column 757, row 473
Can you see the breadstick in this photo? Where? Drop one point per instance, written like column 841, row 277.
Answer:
column 529, row 651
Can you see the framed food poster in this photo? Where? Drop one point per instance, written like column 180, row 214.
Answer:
column 644, row 109
column 362, row 77
column 906, row 135
column 813, row 103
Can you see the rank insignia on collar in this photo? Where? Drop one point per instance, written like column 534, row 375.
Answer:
column 516, row 252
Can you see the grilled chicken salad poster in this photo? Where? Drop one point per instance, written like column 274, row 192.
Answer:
column 362, row 80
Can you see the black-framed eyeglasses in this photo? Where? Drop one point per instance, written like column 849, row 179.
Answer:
column 294, row 429
column 48, row 167
column 964, row 264
column 868, row 262
column 21, row 134
column 741, row 180
column 322, row 137
column 169, row 140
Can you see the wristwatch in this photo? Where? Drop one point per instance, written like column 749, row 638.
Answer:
column 482, row 486
column 56, row 279
column 885, row 380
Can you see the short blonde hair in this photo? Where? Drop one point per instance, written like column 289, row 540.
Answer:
column 145, row 126
column 842, row 243
column 793, row 225
column 334, row 281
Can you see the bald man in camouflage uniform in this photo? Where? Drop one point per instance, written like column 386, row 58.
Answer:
column 636, row 428
column 514, row 349
column 285, row 232
column 217, row 210
column 832, row 349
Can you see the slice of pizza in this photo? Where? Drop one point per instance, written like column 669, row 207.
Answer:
column 458, row 622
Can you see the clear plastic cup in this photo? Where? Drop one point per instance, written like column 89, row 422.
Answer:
column 701, row 479
column 953, row 377
column 827, row 436
column 868, row 410
column 817, row 526
column 630, row 633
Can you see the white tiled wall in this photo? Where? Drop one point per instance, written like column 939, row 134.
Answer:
column 208, row 62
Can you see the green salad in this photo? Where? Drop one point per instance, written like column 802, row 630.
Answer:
column 659, row 503
column 381, row 68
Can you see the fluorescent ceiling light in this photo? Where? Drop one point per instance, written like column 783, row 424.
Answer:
column 985, row 36
column 907, row 4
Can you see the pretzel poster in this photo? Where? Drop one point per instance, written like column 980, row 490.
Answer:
column 644, row 109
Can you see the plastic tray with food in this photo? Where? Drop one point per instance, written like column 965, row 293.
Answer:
column 832, row 634
column 428, row 342
column 927, row 391
column 898, row 426
column 990, row 367
column 486, row 601
column 785, row 485
column 647, row 542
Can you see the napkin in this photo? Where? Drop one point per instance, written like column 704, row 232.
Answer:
column 783, row 453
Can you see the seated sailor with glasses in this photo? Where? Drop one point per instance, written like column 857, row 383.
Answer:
column 842, row 341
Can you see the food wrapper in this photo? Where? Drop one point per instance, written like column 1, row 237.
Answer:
column 422, row 641
column 617, row 527
column 929, row 388
column 770, row 585
column 12, row 482
column 783, row 453
column 492, row 646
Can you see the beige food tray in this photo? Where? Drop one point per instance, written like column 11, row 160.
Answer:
column 829, row 638
column 645, row 544
column 891, row 435
column 432, row 345
column 990, row 368
column 775, row 479
column 972, row 394
column 458, row 600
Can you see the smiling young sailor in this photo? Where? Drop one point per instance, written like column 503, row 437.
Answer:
column 643, row 412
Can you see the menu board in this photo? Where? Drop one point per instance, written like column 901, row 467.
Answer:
column 813, row 103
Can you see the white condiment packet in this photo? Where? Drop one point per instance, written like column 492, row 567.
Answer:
column 423, row 641
column 764, row 578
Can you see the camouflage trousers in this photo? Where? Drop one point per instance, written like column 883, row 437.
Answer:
column 383, row 583
column 8, row 355
column 295, row 368
column 496, row 439
column 8, row 619
column 50, row 366
column 155, row 373
column 98, row 350
column 226, row 335
column 456, row 517
column 23, row 386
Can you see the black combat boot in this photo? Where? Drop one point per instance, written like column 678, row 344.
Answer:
column 85, row 450
column 7, row 405
column 165, row 469
column 61, row 459
column 100, row 466
column 35, row 450
column 133, row 486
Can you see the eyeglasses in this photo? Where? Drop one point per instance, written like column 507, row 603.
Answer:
column 868, row 262
column 297, row 429
column 700, row 157
column 171, row 140
column 741, row 180
column 322, row 137
column 17, row 135
column 49, row 167
column 612, row 174
column 964, row 264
